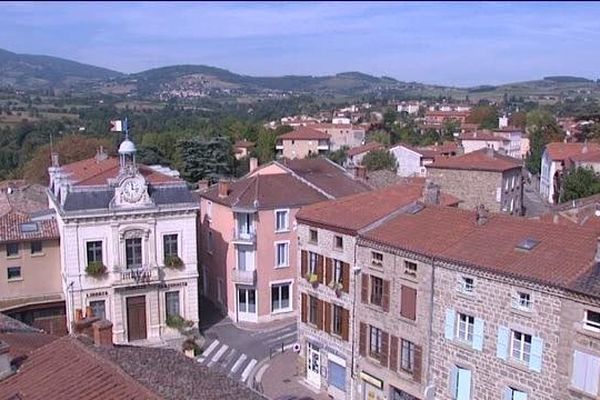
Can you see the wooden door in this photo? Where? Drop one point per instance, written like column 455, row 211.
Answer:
column 136, row 318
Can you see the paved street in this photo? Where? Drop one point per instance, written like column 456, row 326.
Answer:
column 236, row 351
column 534, row 205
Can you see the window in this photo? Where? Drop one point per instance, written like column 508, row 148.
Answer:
column 98, row 308
column 339, row 242
column 521, row 346
column 408, row 302
column 209, row 209
column 522, row 301
column 514, row 394
column 312, row 310
column 337, row 375
column 172, row 304
column 375, row 342
column 312, row 257
column 460, row 386
column 465, row 327
column 466, row 285
column 337, row 271
column 586, row 371
column 280, row 297
column 14, row 272
column 336, row 320
column 12, row 249
column 376, row 291
column 410, row 269
column 133, row 253
column 313, row 238
column 94, row 251
column 36, row 247
column 281, row 220
column 170, row 245
column 592, row 320
column 283, row 250
column 377, row 258
column 407, row 358
column 209, row 241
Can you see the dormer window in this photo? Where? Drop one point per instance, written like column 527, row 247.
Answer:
column 522, row 301
column 466, row 285
column 377, row 258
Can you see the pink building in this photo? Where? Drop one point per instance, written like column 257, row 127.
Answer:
column 248, row 234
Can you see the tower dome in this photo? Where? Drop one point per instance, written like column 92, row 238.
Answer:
column 127, row 147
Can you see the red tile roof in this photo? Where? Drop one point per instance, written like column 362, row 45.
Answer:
column 480, row 160
column 322, row 126
column 11, row 228
column 482, row 135
column 588, row 156
column 304, row 133
column 365, row 208
column 365, row 148
column 96, row 172
column 564, row 253
column 559, row 151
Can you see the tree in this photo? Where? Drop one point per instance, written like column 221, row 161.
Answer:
column 379, row 136
column 578, row 183
column 69, row 148
column 379, row 159
column 518, row 119
column 542, row 129
column 389, row 117
column 485, row 116
column 339, row 156
column 210, row 159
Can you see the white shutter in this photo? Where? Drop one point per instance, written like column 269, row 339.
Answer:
column 518, row 395
column 591, row 376
column 464, row 384
column 478, row 334
column 449, row 325
column 579, row 367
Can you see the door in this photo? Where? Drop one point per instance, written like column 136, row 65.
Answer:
column 313, row 365
column 136, row 318
column 246, row 298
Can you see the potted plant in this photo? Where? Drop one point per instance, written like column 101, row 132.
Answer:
column 190, row 347
column 313, row 279
column 173, row 262
column 95, row 268
column 337, row 287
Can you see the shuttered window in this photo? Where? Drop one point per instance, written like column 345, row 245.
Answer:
column 336, row 320
column 460, row 383
column 407, row 356
column 586, row 372
column 408, row 304
column 375, row 348
column 376, row 291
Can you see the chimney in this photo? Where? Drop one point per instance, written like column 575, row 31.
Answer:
column 360, row 172
column 5, row 367
column 54, row 158
column 481, row 215
column 431, row 193
column 78, row 314
column 223, row 188
column 88, row 312
column 202, row 184
column 101, row 154
column 489, row 151
column 253, row 164
column 103, row 336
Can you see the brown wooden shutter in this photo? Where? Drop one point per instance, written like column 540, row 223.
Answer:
column 320, row 314
column 362, row 346
column 327, row 309
column 408, row 306
column 304, row 309
column 364, row 291
column 418, row 364
column 384, row 349
column 345, row 324
column 303, row 263
column 319, row 268
column 346, row 277
column 328, row 271
column 385, row 301
column 393, row 353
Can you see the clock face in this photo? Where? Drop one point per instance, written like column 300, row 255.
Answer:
column 132, row 190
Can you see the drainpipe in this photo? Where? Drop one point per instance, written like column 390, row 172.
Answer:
column 356, row 273
column 431, row 305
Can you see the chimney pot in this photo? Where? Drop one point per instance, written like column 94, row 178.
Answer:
column 103, row 335
column 253, row 164
column 78, row 314
column 89, row 313
column 223, row 188
column 431, row 193
column 481, row 215
column 54, row 157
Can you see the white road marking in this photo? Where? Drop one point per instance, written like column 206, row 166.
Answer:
column 207, row 351
column 218, row 355
column 247, row 370
column 238, row 363
column 260, row 372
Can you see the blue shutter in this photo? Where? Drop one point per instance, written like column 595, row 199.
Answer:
column 508, row 394
column 449, row 328
column 464, row 384
column 518, row 395
column 502, row 347
column 453, row 381
column 535, row 358
column 478, row 334
column 337, row 376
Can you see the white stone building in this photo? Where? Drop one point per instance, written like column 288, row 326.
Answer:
column 120, row 224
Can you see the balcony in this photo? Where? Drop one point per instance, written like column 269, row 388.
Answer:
column 323, row 145
column 244, row 236
column 279, row 145
column 244, row 277
column 136, row 276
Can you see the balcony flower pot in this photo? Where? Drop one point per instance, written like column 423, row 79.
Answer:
column 190, row 347
column 95, row 269
column 173, row 262
column 313, row 279
column 337, row 287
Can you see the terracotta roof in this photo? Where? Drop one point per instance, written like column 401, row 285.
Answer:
column 365, row 148
column 19, row 195
column 449, row 114
column 326, row 175
column 11, row 229
column 336, row 126
column 588, row 156
column 558, row 151
column 563, row 253
column 96, row 172
column 22, row 343
column 304, row 133
column 481, row 135
column 244, row 144
column 365, row 208
column 480, row 160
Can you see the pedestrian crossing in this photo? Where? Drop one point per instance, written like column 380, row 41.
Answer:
column 236, row 363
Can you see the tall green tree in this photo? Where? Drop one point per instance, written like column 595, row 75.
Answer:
column 210, row 159
column 542, row 129
column 379, row 159
column 485, row 116
column 578, row 183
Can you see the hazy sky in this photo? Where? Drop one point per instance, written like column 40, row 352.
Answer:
column 446, row 43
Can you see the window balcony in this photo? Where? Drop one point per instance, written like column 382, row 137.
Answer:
column 243, row 277
column 244, row 236
column 135, row 276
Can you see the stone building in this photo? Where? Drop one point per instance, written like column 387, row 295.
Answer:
column 128, row 244
column 302, row 142
column 481, row 177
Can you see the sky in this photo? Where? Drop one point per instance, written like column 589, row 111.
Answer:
column 454, row 43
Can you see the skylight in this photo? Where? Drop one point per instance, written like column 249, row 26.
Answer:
column 528, row 244
column 29, row 227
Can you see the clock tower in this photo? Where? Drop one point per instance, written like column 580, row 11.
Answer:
column 131, row 187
